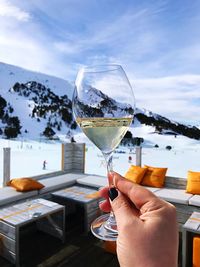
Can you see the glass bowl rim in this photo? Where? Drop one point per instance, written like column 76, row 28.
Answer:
column 101, row 68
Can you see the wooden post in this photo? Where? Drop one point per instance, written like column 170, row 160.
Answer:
column 63, row 157
column 6, row 165
column 138, row 156
column 73, row 157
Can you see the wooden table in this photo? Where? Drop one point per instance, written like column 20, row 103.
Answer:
column 49, row 217
column 86, row 197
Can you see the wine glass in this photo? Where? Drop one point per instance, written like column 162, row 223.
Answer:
column 103, row 106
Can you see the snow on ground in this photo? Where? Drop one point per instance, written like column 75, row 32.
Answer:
column 178, row 162
column 183, row 156
column 27, row 156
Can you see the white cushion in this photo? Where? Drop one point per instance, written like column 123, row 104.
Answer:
column 174, row 195
column 195, row 200
column 8, row 194
column 57, row 182
column 152, row 189
column 93, row 181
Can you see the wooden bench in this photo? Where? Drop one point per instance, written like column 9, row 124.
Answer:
column 72, row 168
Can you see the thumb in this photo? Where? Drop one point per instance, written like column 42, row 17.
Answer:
column 125, row 212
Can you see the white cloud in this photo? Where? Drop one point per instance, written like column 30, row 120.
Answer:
column 176, row 97
column 58, row 39
column 23, row 43
column 32, row 55
column 9, row 10
column 128, row 35
column 67, row 48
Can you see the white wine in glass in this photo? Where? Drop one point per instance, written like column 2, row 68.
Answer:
column 104, row 106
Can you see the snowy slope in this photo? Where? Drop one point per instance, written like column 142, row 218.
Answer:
column 10, row 75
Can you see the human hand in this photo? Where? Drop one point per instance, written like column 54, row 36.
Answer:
column 147, row 226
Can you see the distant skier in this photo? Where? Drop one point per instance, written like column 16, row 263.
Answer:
column 129, row 159
column 44, row 164
column 72, row 140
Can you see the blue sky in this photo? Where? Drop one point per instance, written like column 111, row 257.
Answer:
column 157, row 43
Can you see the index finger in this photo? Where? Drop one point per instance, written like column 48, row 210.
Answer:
column 138, row 194
column 105, row 205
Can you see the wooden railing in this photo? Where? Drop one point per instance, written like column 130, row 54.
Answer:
column 73, row 157
column 6, row 165
column 175, row 182
column 72, row 160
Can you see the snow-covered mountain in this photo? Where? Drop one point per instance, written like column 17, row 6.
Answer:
column 33, row 105
column 108, row 107
column 165, row 126
column 95, row 103
column 37, row 100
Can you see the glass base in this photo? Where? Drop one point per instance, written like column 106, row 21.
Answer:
column 104, row 228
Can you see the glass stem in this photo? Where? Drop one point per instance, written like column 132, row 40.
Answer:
column 108, row 158
column 109, row 165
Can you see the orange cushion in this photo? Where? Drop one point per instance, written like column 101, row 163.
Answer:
column 154, row 176
column 135, row 174
column 25, row 184
column 193, row 182
column 110, row 246
column 196, row 251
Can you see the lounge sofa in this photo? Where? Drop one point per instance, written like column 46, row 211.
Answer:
column 51, row 183
column 174, row 191
column 9, row 195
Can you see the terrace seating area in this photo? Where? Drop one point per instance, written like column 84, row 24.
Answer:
column 185, row 203
column 76, row 253
column 80, row 246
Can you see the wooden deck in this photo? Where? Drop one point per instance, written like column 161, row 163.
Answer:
column 79, row 250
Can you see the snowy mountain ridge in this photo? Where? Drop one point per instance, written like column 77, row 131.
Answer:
column 33, row 105
column 94, row 102
column 33, row 98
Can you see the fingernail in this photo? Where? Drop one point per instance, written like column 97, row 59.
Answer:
column 112, row 193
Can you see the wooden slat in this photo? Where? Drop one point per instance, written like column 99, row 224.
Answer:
column 6, row 165
column 7, row 243
column 73, row 156
column 7, row 229
column 175, row 182
column 9, row 255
